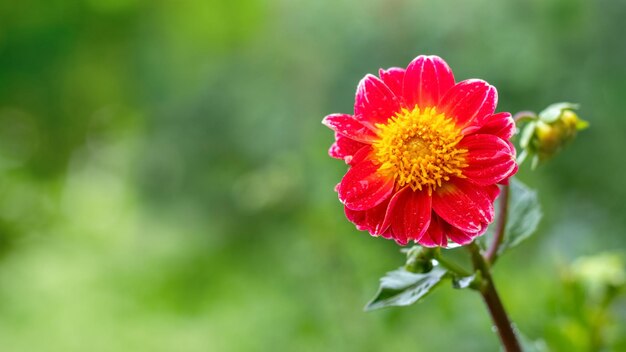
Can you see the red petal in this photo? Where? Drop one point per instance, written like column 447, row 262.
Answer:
column 362, row 188
column 489, row 159
column 500, row 124
column 371, row 220
column 400, row 238
column 344, row 148
column 469, row 102
column 375, row 102
column 409, row 213
column 426, row 80
column 459, row 236
column 393, row 78
column 493, row 191
column 387, row 234
column 440, row 231
column 348, row 126
column 435, row 235
column 357, row 218
column 464, row 205
column 505, row 181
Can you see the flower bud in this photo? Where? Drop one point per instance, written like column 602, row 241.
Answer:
column 550, row 131
column 419, row 259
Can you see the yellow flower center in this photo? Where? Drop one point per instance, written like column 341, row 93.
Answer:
column 418, row 148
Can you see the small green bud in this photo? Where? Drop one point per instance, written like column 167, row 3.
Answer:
column 419, row 259
column 546, row 140
column 418, row 266
column 550, row 131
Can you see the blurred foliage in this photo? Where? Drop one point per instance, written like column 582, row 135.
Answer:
column 165, row 186
column 583, row 308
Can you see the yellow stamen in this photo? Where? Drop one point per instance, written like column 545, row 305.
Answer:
column 418, row 148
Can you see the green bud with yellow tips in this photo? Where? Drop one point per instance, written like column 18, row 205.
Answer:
column 547, row 133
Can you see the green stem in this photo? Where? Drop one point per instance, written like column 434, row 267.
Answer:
column 493, row 302
column 450, row 265
column 492, row 252
column 523, row 116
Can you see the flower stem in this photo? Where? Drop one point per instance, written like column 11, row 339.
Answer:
column 493, row 302
column 450, row 265
column 492, row 252
column 524, row 116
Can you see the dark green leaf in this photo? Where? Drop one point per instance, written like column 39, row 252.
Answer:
column 402, row 288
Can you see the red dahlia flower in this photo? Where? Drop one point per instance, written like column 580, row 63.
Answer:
column 425, row 154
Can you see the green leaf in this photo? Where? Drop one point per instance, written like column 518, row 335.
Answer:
column 552, row 112
column 523, row 215
column 403, row 288
column 527, row 134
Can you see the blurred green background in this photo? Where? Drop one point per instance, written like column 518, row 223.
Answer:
column 164, row 183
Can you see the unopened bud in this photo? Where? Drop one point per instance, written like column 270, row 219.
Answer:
column 550, row 131
column 419, row 259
